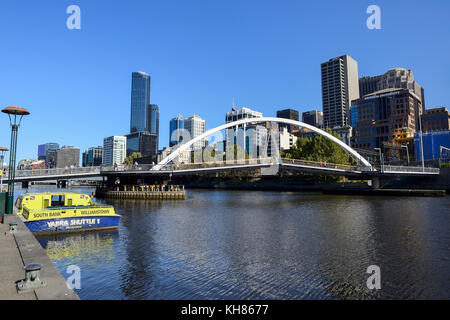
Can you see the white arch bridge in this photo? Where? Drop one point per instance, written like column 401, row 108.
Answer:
column 166, row 167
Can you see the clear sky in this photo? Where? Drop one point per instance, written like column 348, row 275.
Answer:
column 200, row 54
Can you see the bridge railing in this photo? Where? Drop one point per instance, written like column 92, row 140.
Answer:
column 53, row 172
column 217, row 164
column 390, row 168
column 321, row 164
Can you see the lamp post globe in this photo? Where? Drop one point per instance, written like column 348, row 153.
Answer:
column 15, row 115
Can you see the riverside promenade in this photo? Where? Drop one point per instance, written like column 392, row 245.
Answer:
column 20, row 249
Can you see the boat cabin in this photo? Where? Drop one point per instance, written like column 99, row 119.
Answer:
column 52, row 200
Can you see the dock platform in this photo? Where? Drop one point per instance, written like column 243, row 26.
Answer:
column 20, row 249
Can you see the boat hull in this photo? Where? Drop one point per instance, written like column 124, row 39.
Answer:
column 74, row 224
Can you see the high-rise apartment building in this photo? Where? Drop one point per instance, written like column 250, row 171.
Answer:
column 340, row 86
column 288, row 114
column 396, row 78
column 114, row 150
column 248, row 138
column 140, row 100
column 313, row 117
column 184, row 129
column 196, row 127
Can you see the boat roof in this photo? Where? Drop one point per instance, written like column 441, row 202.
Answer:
column 53, row 193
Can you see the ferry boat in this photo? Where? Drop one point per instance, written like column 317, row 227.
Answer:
column 51, row 212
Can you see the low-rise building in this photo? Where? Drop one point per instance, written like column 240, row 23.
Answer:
column 67, row 156
column 436, row 119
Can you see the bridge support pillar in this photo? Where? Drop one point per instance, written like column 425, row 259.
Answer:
column 25, row 184
column 375, row 182
column 61, row 184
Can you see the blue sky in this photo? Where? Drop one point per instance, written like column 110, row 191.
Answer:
column 200, row 54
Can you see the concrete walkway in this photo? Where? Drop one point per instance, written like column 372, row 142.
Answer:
column 20, row 249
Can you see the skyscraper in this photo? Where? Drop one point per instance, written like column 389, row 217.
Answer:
column 288, row 114
column 140, row 100
column 176, row 132
column 340, row 86
column 153, row 119
column 195, row 126
column 247, row 137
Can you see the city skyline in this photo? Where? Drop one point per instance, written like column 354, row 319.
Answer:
column 81, row 113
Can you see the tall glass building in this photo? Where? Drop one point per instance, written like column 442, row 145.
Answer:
column 140, row 100
column 153, row 119
column 176, row 130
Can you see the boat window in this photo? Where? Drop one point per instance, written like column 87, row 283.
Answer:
column 57, row 201
column 69, row 202
column 19, row 202
column 46, row 203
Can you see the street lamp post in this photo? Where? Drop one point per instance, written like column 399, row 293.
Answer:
column 381, row 159
column 421, row 143
column 15, row 115
column 407, row 152
column 2, row 160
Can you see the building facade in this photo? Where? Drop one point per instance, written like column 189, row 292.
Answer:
column 176, row 131
column 313, row 117
column 143, row 142
column 43, row 153
column 114, row 150
column 247, row 138
column 396, row 78
column 140, row 100
column 288, row 114
column 382, row 117
column 93, row 157
column 195, row 125
column 436, row 119
column 340, row 86
column 153, row 119
column 436, row 145
column 68, row 157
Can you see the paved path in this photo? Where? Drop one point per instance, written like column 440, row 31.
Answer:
column 20, row 249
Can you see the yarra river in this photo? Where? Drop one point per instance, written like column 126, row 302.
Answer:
column 220, row 244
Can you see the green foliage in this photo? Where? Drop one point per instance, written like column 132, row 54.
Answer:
column 445, row 165
column 319, row 149
column 130, row 159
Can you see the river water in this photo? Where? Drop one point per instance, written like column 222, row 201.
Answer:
column 220, row 244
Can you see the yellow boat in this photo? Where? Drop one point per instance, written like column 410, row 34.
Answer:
column 51, row 212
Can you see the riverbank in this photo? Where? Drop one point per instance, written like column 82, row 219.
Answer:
column 343, row 188
column 20, row 249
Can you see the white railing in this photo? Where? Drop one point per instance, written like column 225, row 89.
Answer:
column 321, row 164
column 54, row 172
column 217, row 164
column 389, row 168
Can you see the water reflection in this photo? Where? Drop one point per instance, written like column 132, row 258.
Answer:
column 264, row 245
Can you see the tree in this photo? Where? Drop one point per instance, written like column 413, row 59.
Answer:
column 319, row 149
column 131, row 158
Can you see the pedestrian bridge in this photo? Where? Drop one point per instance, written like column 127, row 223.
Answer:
column 268, row 165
